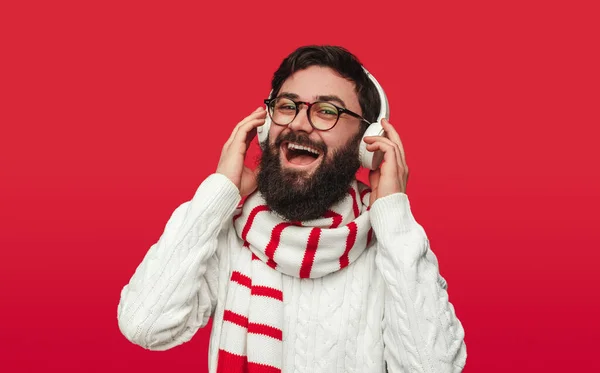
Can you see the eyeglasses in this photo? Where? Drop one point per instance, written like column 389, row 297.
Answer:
column 322, row 115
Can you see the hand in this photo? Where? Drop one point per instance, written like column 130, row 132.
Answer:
column 231, row 163
column 392, row 175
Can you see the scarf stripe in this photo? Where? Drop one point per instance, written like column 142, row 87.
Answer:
column 241, row 279
column 344, row 260
column 267, row 291
column 236, row 319
column 354, row 202
column 260, row 368
column 309, row 253
column 337, row 218
column 231, row 363
column 274, row 243
column 363, row 194
column 252, row 330
column 251, row 218
column 269, row 331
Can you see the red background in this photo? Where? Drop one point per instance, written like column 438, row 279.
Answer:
column 112, row 113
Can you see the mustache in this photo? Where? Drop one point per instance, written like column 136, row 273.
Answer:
column 300, row 139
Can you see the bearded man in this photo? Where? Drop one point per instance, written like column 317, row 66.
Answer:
column 301, row 267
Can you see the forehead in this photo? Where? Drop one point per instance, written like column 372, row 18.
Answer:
column 320, row 81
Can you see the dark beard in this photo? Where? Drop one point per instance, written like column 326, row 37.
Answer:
column 295, row 195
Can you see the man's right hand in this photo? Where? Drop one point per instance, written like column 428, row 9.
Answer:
column 234, row 151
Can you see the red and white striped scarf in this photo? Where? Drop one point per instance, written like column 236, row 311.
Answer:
column 251, row 334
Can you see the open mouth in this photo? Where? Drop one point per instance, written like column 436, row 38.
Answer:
column 300, row 155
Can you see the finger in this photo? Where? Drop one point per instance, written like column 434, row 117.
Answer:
column 401, row 170
column 248, row 182
column 247, row 132
column 374, row 176
column 389, row 155
column 393, row 135
column 259, row 113
column 250, row 136
column 257, row 170
column 385, row 147
column 380, row 140
column 374, row 179
column 241, row 134
column 371, row 139
column 390, row 131
column 374, row 139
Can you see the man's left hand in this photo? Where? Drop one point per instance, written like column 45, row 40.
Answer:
column 392, row 176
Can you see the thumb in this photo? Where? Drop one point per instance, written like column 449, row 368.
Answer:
column 374, row 181
column 374, row 178
column 248, row 184
column 256, row 171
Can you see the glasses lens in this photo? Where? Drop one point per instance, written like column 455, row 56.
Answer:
column 282, row 111
column 323, row 115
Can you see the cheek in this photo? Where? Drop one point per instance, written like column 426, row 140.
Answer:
column 337, row 140
column 274, row 131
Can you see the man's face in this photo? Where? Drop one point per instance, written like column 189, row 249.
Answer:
column 300, row 186
column 309, row 85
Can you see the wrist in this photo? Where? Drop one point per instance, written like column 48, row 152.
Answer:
column 392, row 212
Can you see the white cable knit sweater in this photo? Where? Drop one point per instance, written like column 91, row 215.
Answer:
column 389, row 308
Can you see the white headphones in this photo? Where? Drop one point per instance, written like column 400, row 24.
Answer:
column 368, row 159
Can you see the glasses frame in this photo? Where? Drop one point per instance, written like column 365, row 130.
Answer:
column 308, row 105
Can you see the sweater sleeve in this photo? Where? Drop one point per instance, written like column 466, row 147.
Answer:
column 421, row 331
column 173, row 291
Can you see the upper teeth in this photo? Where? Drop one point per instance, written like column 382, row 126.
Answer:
column 300, row 147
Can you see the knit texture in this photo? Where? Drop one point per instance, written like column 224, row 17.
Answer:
column 251, row 336
column 387, row 311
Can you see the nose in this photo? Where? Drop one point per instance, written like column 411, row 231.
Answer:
column 301, row 123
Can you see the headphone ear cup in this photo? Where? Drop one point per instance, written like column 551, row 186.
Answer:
column 368, row 159
column 262, row 132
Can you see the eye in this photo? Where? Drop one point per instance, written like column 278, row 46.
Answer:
column 326, row 110
column 285, row 106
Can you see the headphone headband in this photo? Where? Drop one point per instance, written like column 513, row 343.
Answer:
column 384, row 110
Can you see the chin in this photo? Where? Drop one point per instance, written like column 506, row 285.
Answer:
column 295, row 179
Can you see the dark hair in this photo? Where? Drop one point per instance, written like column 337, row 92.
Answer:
column 338, row 59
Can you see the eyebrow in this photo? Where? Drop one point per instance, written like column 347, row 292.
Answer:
column 335, row 98
column 332, row 98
